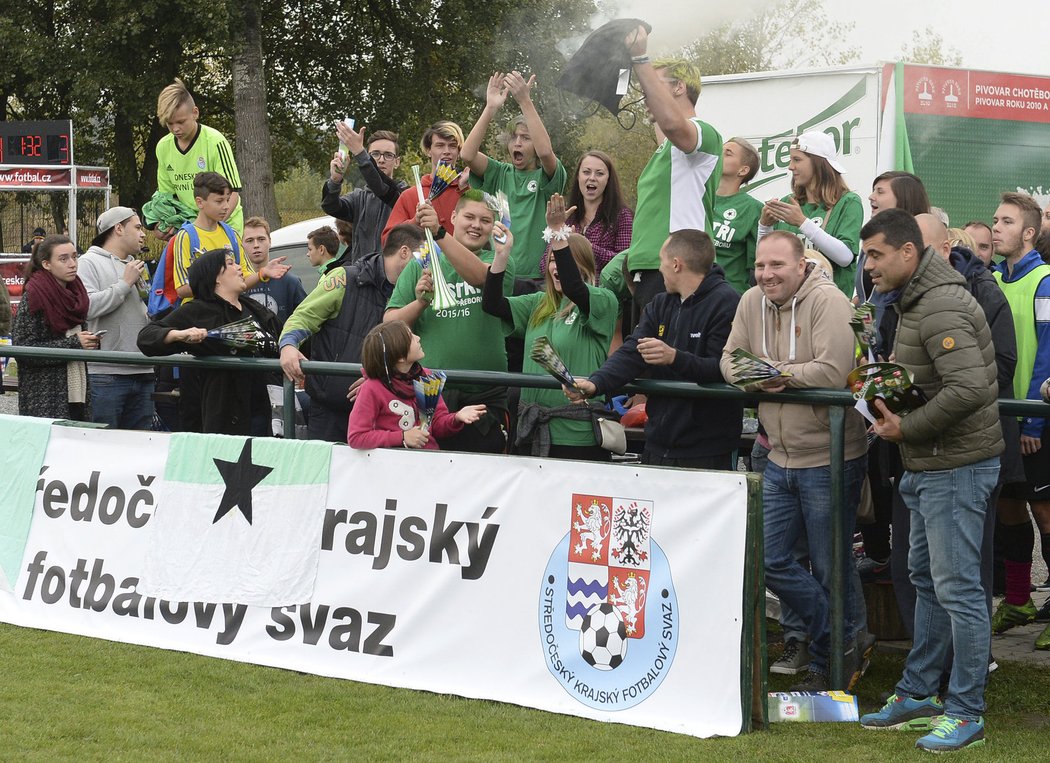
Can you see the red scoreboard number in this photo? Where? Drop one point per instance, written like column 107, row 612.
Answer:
column 38, row 142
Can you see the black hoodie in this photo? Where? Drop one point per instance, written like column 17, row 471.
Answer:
column 698, row 327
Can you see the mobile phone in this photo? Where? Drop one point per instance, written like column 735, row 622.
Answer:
column 101, row 332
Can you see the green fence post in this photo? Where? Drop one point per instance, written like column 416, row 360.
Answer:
column 837, row 420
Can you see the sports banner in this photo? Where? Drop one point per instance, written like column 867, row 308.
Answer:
column 611, row 592
column 973, row 134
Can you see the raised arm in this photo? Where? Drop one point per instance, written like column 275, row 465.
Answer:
column 471, row 153
column 521, row 89
column 681, row 131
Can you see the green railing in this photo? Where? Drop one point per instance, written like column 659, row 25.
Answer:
column 837, row 400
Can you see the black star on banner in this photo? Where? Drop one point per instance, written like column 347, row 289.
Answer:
column 240, row 477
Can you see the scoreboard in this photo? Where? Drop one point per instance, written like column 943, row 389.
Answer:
column 37, row 142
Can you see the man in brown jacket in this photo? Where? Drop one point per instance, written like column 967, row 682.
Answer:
column 797, row 320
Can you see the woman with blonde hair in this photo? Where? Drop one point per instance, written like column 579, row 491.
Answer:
column 576, row 317
column 821, row 209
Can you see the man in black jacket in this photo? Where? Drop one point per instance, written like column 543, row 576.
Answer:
column 680, row 337
column 347, row 302
column 367, row 209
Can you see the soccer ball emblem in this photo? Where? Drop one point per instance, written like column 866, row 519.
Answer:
column 603, row 637
column 1044, row 391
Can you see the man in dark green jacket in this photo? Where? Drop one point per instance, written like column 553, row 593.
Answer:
column 950, row 448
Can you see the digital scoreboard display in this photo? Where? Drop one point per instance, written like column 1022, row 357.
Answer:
column 38, row 142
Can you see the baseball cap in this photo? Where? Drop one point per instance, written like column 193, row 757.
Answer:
column 819, row 144
column 112, row 216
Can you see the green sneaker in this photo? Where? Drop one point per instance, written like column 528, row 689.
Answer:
column 1042, row 641
column 1008, row 616
column 951, row 734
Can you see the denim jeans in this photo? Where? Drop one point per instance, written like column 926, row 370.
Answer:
column 797, row 502
column 122, row 401
column 947, row 529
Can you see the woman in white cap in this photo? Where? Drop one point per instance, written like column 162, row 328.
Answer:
column 820, row 209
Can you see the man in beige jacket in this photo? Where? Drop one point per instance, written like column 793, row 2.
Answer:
column 797, row 320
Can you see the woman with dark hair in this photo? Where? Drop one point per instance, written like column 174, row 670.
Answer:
column 900, row 190
column 600, row 214
column 224, row 401
column 576, row 317
column 52, row 314
column 821, row 208
column 890, row 190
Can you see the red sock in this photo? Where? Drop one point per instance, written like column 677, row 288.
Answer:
column 1018, row 582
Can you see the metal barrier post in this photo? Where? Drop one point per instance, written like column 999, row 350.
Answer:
column 289, row 409
column 837, row 419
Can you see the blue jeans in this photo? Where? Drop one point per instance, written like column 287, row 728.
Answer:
column 947, row 509
column 797, row 502
column 122, row 401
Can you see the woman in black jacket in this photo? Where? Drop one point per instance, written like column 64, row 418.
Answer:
column 230, row 401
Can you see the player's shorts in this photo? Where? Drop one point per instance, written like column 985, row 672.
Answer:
column 1036, row 486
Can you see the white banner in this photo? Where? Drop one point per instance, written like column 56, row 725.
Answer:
column 607, row 592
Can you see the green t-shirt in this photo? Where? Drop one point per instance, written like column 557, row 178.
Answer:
column 581, row 341
column 736, row 235
column 527, row 193
column 844, row 223
column 209, row 152
column 463, row 337
column 676, row 190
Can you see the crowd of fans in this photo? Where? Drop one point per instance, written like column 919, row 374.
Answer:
column 481, row 257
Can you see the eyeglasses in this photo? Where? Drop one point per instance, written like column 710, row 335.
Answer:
column 382, row 156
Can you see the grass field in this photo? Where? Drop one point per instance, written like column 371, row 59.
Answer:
column 72, row 698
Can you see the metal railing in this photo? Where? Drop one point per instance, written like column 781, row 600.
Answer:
column 837, row 400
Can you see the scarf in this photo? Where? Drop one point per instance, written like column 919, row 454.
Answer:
column 64, row 305
column 401, row 384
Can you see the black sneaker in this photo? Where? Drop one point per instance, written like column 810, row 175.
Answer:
column 1043, row 615
column 812, row 682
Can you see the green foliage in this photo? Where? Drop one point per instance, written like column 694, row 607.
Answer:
column 928, row 47
column 789, row 34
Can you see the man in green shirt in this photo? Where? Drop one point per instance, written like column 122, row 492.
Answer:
column 463, row 336
column 533, row 175
column 676, row 189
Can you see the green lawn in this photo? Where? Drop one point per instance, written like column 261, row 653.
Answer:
column 72, row 698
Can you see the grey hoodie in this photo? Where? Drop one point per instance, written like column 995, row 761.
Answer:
column 114, row 306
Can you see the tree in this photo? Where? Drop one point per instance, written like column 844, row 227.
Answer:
column 774, row 38
column 928, row 47
column 255, row 161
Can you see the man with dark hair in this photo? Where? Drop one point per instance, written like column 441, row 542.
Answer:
column 366, row 208
column 121, row 395
column 676, row 189
column 281, row 295
column 441, row 142
column 950, row 448
column 1025, row 280
column 464, row 336
column 347, row 302
column 38, row 236
column 797, row 320
column 736, row 214
column 230, row 401
column 680, row 338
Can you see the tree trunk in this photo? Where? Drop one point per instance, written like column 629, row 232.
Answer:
column 254, row 158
